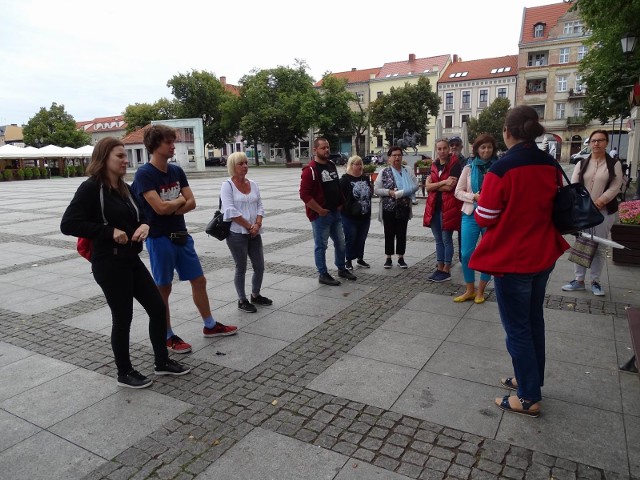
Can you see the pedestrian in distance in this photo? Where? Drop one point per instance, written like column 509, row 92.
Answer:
column 323, row 200
column 166, row 196
column 356, row 213
column 242, row 205
column 105, row 211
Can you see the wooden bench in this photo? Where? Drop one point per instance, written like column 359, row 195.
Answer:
column 633, row 316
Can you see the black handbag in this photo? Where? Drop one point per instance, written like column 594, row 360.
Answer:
column 217, row 227
column 573, row 209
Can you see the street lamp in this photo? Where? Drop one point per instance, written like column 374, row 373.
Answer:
column 628, row 43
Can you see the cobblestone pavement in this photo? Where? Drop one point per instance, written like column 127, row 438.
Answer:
column 226, row 405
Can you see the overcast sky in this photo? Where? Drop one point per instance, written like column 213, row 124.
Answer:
column 96, row 58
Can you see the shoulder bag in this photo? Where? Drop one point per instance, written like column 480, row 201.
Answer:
column 217, row 227
column 583, row 251
column 573, row 209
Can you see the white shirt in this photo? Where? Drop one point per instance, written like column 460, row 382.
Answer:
column 236, row 204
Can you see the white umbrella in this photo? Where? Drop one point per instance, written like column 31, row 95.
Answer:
column 85, row 151
column 603, row 241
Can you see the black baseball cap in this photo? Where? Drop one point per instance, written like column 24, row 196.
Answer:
column 455, row 139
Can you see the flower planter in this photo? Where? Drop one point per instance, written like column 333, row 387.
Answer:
column 629, row 236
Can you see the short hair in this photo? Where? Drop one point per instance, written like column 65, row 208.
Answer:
column 351, row 161
column 481, row 140
column 393, row 148
column 156, row 134
column 523, row 123
column 317, row 141
column 234, row 159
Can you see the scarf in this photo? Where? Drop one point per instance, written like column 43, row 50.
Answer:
column 479, row 169
column 402, row 179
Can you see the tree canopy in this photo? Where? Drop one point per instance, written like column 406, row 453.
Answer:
column 199, row 94
column 491, row 121
column 54, row 127
column 139, row 115
column 333, row 113
column 411, row 105
column 278, row 105
column 607, row 72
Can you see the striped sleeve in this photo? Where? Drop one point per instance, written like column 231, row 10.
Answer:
column 490, row 203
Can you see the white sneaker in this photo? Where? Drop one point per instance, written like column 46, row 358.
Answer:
column 597, row 289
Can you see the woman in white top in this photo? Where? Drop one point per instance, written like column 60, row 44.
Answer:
column 241, row 204
column 602, row 177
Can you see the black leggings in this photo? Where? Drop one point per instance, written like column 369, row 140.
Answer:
column 122, row 280
column 395, row 232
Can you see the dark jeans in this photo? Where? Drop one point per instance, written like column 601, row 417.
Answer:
column 356, row 230
column 122, row 280
column 395, row 232
column 329, row 226
column 242, row 245
column 521, row 301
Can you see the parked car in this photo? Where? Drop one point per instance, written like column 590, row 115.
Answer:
column 215, row 162
column 338, row 158
column 370, row 159
column 581, row 155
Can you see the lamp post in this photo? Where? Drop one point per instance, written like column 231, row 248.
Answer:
column 628, row 44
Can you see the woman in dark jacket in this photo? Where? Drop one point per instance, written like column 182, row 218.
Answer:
column 356, row 212
column 104, row 211
column 443, row 210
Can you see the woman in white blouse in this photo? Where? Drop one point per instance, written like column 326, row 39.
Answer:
column 241, row 204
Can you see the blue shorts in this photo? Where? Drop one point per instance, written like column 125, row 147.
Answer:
column 166, row 257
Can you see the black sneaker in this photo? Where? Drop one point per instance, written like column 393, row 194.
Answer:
column 344, row 273
column 441, row 276
column 171, row 367
column 388, row 263
column 260, row 300
column 348, row 265
column 363, row 264
column 402, row 263
column 134, row 379
column 245, row 306
column 327, row 279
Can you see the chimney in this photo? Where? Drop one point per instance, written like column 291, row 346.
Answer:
column 455, row 58
column 412, row 57
column 223, row 80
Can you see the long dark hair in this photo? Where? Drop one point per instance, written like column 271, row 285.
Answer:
column 98, row 166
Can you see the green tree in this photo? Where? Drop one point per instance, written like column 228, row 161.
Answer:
column 411, row 105
column 606, row 71
column 200, row 94
column 139, row 115
column 54, row 127
column 278, row 105
column 334, row 114
column 491, row 121
column 359, row 126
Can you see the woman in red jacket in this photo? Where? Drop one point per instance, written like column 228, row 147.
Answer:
column 443, row 210
column 520, row 248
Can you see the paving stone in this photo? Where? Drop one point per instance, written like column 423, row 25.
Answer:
column 426, row 436
column 459, row 471
column 562, row 474
column 516, row 461
column 537, row 470
column 477, row 474
column 489, row 466
column 437, row 464
column 566, row 464
column 345, row 448
column 514, row 473
column 543, row 459
column 400, row 440
column 392, row 451
column 417, row 458
column 372, row 444
column 364, row 454
column 430, row 474
column 386, row 463
column 589, row 473
column 442, row 453
column 465, row 459
column 421, row 447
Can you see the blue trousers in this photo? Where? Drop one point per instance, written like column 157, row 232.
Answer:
column 470, row 232
column 443, row 238
column 356, row 230
column 521, row 301
column 324, row 227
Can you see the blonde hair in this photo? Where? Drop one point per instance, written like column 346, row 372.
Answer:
column 233, row 160
column 351, row 161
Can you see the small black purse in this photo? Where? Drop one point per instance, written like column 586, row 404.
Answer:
column 573, row 209
column 217, row 227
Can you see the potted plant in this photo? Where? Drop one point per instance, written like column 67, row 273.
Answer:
column 28, row 173
column 7, row 174
column 627, row 233
column 35, row 172
column 370, row 171
column 20, row 174
column 422, row 167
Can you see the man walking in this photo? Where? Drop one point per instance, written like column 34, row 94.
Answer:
column 166, row 196
column 321, row 194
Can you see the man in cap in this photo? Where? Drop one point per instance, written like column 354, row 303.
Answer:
column 455, row 145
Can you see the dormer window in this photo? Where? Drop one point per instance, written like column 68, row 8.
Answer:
column 538, row 30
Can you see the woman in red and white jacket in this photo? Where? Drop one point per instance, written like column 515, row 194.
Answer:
column 520, row 248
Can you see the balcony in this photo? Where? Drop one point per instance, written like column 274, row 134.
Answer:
column 577, row 93
column 576, row 121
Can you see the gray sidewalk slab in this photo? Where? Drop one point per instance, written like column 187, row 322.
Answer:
column 385, row 377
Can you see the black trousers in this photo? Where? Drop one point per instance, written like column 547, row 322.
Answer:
column 395, row 233
column 122, row 280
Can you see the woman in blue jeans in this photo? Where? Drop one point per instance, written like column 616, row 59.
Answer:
column 242, row 205
column 468, row 191
column 520, row 248
column 356, row 212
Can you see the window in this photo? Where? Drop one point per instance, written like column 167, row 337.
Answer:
column 539, row 110
column 537, row 60
column 582, row 52
column 502, row 92
column 379, row 94
column 466, row 99
column 581, row 87
column 484, row 97
column 463, row 119
column 379, row 141
column 360, row 97
column 561, row 83
column 448, row 121
column 564, row 55
column 538, row 30
column 560, row 109
column 537, row 86
column 578, row 109
column 571, row 28
column 448, row 101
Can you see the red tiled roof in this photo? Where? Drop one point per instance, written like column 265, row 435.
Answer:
column 547, row 14
column 477, row 69
column 354, row 76
column 136, row 137
column 413, row 66
column 103, row 124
